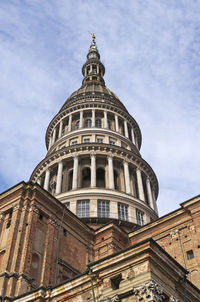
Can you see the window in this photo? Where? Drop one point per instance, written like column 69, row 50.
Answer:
column 139, row 217
column 103, row 208
column 86, row 140
column 67, row 204
column 109, row 125
column 190, row 254
column 98, row 123
column 64, row 232
column 86, row 177
column 83, row 208
column 100, row 178
column 77, row 125
column 74, row 143
column 115, row 281
column 99, row 140
column 40, row 216
column 112, row 142
column 122, row 211
column 88, row 123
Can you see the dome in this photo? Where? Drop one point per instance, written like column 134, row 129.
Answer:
column 93, row 90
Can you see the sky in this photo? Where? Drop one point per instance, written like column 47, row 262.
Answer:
column 150, row 49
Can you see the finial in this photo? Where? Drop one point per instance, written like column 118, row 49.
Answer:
column 93, row 36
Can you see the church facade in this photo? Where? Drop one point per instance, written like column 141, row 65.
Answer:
column 86, row 227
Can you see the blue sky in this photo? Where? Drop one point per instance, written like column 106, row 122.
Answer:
column 151, row 53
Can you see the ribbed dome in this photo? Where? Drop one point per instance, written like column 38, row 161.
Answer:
column 93, row 90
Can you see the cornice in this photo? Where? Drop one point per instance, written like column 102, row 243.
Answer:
column 98, row 131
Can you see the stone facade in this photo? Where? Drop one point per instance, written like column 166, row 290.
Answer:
column 86, row 227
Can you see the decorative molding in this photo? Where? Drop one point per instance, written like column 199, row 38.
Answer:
column 150, row 291
column 35, row 210
column 173, row 299
column 115, row 298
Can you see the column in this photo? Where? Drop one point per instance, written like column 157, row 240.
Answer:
column 50, row 143
column 93, row 170
column 75, row 173
column 93, row 117
column 39, row 181
column 116, row 123
column 59, row 178
column 54, row 136
column 105, row 120
column 70, row 123
column 149, row 193
column 60, row 129
column 154, row 201
column 46, row 179
column 127, row 177
column 132, row 136
column 81, row 119
column 126, row 128
column 111, row 173
column 140, row 185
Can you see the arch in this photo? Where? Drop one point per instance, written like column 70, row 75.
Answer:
column 86, row 177
column 70, row 179
column 77, row 125
column 100, row 178
column 88, row 123
column 98, row 123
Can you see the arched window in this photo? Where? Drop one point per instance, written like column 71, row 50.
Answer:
column 100, row 178
column 88, row 123
column 98, row 123
column 86, row 178
column 77, row 125
column 70, row 178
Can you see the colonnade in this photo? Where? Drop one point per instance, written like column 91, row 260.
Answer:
column 128, row 129
column 141, row 185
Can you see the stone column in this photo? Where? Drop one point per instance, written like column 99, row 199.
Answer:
column 39, row 181
column 75, row 173
column 50, row 143
column 132, row 136
column 60, row 129
column 59, row 178
column 93, row 170
column 126, row 128
column 111, row 173
column 127, row 177
column 70, row 123
column 54, row 136
column 105, row 120
column 116, row 123
column 149, row 193
column 154, row 201
column 46, row 179
column 140, row 185
column 81, row 119
column 93, row 117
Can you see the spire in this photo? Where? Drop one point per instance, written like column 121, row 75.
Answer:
column 93, row 70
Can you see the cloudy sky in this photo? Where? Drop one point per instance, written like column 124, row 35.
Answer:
column 150, row 49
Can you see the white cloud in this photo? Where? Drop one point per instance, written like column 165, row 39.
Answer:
column 151, row 53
